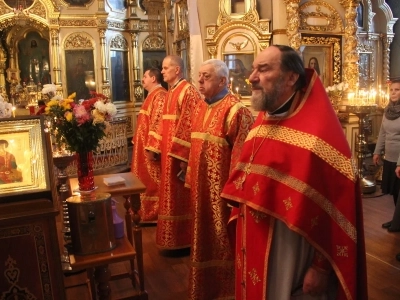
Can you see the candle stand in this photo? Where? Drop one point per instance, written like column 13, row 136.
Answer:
column 361, row 145
column 64, row 191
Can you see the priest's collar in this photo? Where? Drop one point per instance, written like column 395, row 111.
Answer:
column 218, row 96
column 176, row 83
column 154, row 87
column 284, row 107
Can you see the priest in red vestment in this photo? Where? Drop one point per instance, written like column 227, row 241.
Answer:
column 220, row 125
column 170, row 142
column 299, row 225
column 144, row 167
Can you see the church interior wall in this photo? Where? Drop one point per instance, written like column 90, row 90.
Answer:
column 113, row 18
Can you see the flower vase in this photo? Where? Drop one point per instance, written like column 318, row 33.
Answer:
column 84, row 163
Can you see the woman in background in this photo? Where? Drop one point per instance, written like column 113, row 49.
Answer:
column 388, row 144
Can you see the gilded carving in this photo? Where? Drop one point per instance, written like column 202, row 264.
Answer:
column 239, row 45
column 153, row 43
column 351, row 57
column 138, row 92
column 119, row 42
column 4, row 9
column 81, row 40
column 226, row 16
column 330, row 16
column 117, row 24
column 334, row 42
column 38, row 9
column 78, row 22
column 292, row 15
column 211, row 30
column 386, row 40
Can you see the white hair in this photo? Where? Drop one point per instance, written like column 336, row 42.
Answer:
column 221, row 69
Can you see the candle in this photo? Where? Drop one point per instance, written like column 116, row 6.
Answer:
column 237, row 90
column 351, row 98
column 13, row 111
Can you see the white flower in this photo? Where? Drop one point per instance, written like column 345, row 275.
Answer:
column 5, row 109
column 49, row 89
column 101, row 107
column 111, row 109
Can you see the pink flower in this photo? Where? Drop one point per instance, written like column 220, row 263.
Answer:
column 81, row 115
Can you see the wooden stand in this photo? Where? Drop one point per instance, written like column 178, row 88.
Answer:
column 129, row 248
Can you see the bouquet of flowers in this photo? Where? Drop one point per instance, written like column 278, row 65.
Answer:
column 81, row 125
column 5, row 108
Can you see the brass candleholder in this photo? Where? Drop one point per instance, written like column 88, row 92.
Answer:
column 361, row 145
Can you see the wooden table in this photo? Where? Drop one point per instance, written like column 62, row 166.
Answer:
column 130, row 190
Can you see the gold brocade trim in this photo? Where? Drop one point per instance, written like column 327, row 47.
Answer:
column 175, row 218
column 308, row 191
column 207, row 137
column 257, row 215
column 155, row 135
column 254, row 276
column 181, row 142
column 144, row 112
column 149, row 198
column 152, row 150
column 178, row 157
column 307, row 141
column 232, row 112
column 288, row 203
column 170, row 117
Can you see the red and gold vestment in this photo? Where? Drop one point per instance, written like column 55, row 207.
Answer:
column 218, row 133
column 171, row 140
column 302, row 174
column 146, row 170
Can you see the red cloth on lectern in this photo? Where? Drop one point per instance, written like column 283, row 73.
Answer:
column 304, row 176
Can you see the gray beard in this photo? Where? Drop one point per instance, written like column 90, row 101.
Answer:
column 266, row 101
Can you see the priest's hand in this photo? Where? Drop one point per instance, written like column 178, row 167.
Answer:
column 152, row 156
column 315, row 282
column 183, row 166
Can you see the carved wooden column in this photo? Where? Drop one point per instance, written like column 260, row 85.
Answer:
column 137, row 87
column 104, row 65
column 293, row 25
column 387, row 39
column 351, row 57
column 55, row 52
